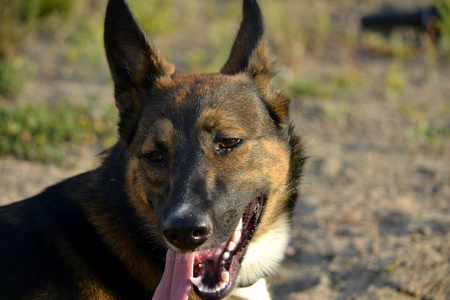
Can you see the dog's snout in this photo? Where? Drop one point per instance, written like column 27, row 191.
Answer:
column 187, row 232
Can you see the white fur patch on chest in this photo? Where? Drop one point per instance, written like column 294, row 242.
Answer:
column 264, row 255
column 257, row 291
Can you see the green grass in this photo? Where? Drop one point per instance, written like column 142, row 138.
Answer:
column 154, row 15
column 444, row 25
column 394, row 265
column 340, row 84
column 395, row 79
column 425, row 130
column 11, row 77
column 297, row 29
column 43, row 132
column 421, row 125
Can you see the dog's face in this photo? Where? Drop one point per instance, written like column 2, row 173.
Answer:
column 213, row 166
column 205, row 150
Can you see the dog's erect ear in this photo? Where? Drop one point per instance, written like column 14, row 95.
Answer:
column 250, row 55
column 133, row 61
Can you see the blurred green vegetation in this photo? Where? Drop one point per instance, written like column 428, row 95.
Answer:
column 340, row 84
column 444, row 25
column 421, row 128
column 38, row 132
column 75, row 22
column 11, row 77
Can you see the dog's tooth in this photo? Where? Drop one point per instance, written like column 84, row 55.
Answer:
column 196, row 281
column 225, row 276
column 226, row 255
column 239, row 227
column 221, row 285
column 231, row 246
column 236, row 236
column 205, row 289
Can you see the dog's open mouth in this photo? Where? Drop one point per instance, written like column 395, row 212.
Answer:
column 212, row 272
column 215, row 270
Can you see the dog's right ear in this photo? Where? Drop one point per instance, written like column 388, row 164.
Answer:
column 134, row 62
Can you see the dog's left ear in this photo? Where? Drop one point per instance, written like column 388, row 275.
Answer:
column 250, row 55
column 134, row 62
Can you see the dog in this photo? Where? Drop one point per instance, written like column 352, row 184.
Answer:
column 194, row 201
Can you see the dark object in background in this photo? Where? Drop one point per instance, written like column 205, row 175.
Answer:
column 423, row 19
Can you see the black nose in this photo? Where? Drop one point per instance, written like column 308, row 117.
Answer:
column 187, row 232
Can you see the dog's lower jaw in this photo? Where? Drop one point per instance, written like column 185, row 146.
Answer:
column 265, row 253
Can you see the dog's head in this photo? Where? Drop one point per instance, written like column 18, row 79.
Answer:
column 213, row 165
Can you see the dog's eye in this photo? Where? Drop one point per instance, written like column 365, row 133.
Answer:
column 154, row 157
column 227, row 144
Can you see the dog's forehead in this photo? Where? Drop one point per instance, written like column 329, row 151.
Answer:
column 182, row 90
column 207, row 100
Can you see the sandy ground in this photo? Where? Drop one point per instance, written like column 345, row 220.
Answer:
column 373, row 219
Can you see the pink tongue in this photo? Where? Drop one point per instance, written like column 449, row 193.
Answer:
column 175, row 283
